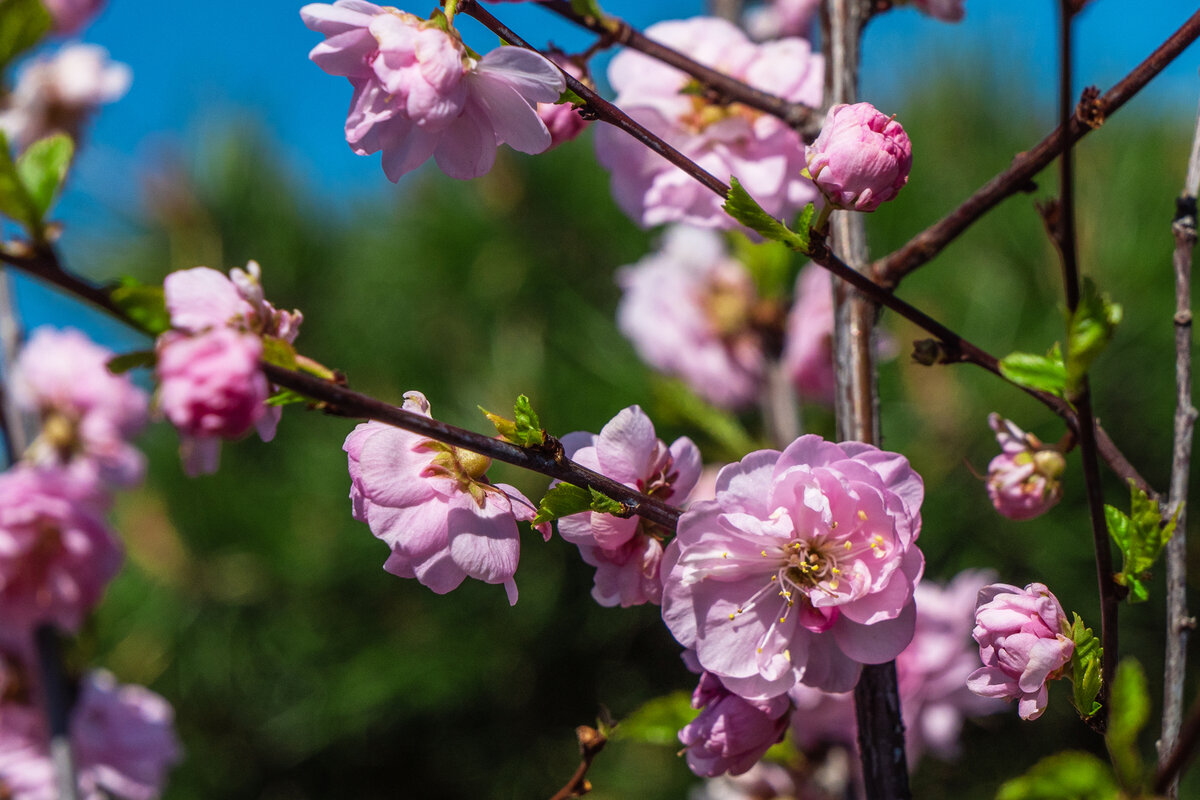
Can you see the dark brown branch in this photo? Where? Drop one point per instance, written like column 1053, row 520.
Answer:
column 726, row 89
column 548, row 460
column 1169, row 772
column 56, row 697
column 591, row 742
column 600, row 108
column 891, row 269
column 1179, row 623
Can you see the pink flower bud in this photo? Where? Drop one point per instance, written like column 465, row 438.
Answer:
column 1023, row 642
column 731, row 733
column 1023, row 481
column 861, row 158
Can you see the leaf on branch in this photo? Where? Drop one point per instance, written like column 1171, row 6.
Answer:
column 525, row 430
column 15, row 200
column 658, row 721
column 42, row 169
column 605, row 504
column 1089, row 330
column 118, row 365
column 1085, row 668
column 1141, row 537
column 1129, row 711
column 279, row 352
column 1041, row 373
column 22, row 24
column 1071, row 775
column 145, row 305
column 562, row 500
column 746, row 210
column 286, row 397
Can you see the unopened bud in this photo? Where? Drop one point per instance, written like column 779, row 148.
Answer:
column 473, row 464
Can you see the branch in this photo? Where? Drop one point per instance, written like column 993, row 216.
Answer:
column 591, row 742
column 891, row 269
column 726, row 89
column 1170, row 770
column 1179, row 624
column 58, row 709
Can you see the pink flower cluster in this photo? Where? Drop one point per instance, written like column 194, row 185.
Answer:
column 122, row 740
column 1023, row 482
column 627, row 552
column 861, row 158
column 764, row 153
column 418, row 93
column 59, row 93
column 210, row 384
column 1024, row 642
column 801, row 570
column 430, row 502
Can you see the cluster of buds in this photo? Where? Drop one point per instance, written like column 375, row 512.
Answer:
column 1023, row 481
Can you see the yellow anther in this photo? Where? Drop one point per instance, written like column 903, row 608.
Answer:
column 833, row 585
column 731, row 616
column 847, row 545
column 781, row 619
column 862, row 515
column 759, row 650
column 787, row 654
column 764, row 553
column 725, row 555
column 835, row 571
column 774, row 577
column 833, row 527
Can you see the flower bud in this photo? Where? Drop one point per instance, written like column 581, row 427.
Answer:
column 1023, row 481
column 861, row 158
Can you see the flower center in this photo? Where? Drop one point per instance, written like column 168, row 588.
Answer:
column 808, row 564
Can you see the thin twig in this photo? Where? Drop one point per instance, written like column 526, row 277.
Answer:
column 876, row 696
column 591, row 742
column 1179, row 623
column 725, row 88
column 891, row 269
column 15, row 425
column 58, row 709
column 1063, row 223
column 1170, row 770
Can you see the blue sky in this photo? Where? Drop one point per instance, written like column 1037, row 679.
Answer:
column 197, row 63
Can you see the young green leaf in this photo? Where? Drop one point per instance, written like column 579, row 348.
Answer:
column 42, row 169
column 286, row 397
column 1141, row 537
column 1089, row 330
column 1071, row 775
column 528, row 426
column 145, row 305
column 746, row 210
column 562, row 500
column 127, row 361
column 658, row 721
column 15, row 201
column 1042, row 373
column 279, row 352
column 504, row 426
column 1129, row 710
column 22, row 24
column 604, row 504
column 1085, row 668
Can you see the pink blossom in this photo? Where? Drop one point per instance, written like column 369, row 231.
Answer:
column 1023, row 643
column 59, row 93
column 861, row 158
column 947, row 10
column 731, row 733
column 431, row 503
column 419, row 94
column 71, row 15
column 87, row 413
column 563, row 120
column 775, row 18
column 26, row 771
column 808, row 351
column 123, row 738
column 764, row 153
column 1024, row 480
column 56, row 553
column 687, row 311
column 801, row 570
column 627, row 552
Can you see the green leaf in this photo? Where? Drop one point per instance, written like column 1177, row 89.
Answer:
column 746, row 210
column 658, row 721
column 604, row 504
column 144, row 305
column 1141, row 537
column 1071, row 775
column 1089, row 330
column 1042, row 373
column 127, row 361
column 286, row 397
column 278, row 352
column 1129, row 710
column 1085, row 668
column 15, row 201
column 561, row 500
column 528, row 426
column 674, row 399
column 42, row 169
column 22, row 25
column 504, row 426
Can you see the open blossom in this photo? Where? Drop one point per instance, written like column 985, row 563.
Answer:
column 801, row 570
column 431, row 503
column 764, row 153
column 418, row 93
column 71, row 15
column 1023, row 481
column 687, row 309
column 1023, row 643
column 808, row 350
column 87, row 414
column 731, row 733
column 627, row 552
column 59, row 93
column 861, row 158
column 56, row 553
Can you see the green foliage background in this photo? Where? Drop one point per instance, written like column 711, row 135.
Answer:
column 299, row 669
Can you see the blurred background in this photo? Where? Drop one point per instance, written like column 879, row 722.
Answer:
column 259, row 608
